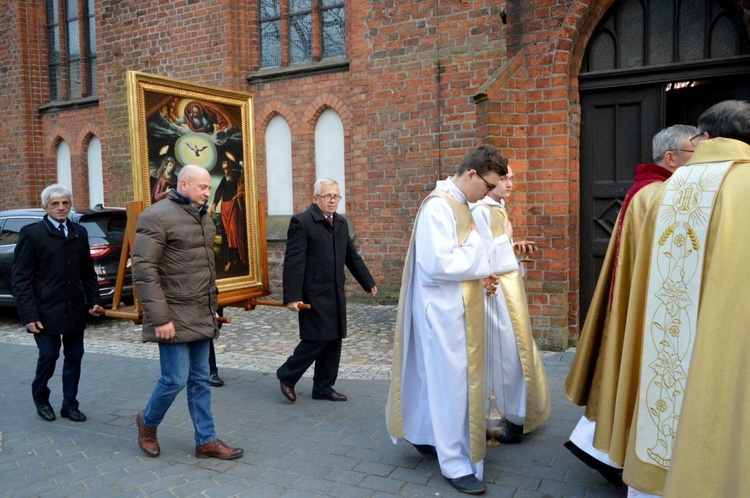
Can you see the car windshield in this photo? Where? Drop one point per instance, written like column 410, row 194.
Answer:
column 109, row 227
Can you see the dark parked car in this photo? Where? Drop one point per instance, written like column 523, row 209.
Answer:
column 106, row 228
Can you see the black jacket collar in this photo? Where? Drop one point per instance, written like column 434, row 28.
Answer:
column 318, row 214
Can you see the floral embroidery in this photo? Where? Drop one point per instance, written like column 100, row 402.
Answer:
column 671, row 312
column 668, row 368
column 674, row 296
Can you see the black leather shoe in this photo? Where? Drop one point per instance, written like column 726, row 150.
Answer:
column 75, row 415
column 426, row 450
column 288, row 392
column 612, row 474
column 46, row 412
column 331, row 396
column 507, row 437
column 468, row 484
column 511, row 433
column 214, row 380
column 510, row 427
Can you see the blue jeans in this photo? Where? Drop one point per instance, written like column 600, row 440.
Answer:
column 184, row 364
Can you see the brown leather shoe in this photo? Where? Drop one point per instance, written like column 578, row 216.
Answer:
column 288, row 392
column 147, row 438
column 331, row 396
column 217, row 449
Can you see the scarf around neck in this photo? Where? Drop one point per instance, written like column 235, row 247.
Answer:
column 645, row 174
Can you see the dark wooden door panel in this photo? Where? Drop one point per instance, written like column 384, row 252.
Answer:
column 617, row 126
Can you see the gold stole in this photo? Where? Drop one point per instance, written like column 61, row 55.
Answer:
column 672, row 305
column 473, row 299
column 538, row 405
column 473, row 295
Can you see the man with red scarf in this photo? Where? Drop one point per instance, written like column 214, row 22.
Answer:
column 593, row 377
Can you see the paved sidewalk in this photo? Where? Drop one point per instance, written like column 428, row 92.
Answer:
column 311, row 448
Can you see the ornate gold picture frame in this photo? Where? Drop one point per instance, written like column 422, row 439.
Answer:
column 173, row 123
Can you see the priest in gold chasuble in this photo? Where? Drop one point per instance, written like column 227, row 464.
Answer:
column 597, row 366
column 690, row 434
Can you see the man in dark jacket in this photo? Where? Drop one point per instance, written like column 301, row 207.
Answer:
column 54, row 284
column 318, row 247
column 174, row 273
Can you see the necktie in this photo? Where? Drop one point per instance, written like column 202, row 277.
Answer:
column 61, row 227
column 329, row 219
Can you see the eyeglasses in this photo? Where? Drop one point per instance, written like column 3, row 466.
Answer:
column 330, row 197
column 686, row 150
column 700, row 136
column 486, row 183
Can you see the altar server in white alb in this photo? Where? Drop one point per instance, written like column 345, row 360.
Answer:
column 515, row 373
column 437, row 398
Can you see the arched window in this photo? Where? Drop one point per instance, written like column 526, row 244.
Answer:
column 329, row 151
column 96, row 179
column 279, row 167
column 637, row 33
column 64, row 174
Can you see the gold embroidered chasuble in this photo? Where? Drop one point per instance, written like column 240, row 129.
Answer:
column 711, row 450
column 473, row 300
column 597, row 366
column 535, row 377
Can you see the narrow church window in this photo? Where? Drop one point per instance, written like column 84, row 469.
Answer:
column 270, row 33
column 71, row 49
column 301, row 31
column 334, row 28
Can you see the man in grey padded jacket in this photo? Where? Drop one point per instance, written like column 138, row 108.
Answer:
column 174, row 274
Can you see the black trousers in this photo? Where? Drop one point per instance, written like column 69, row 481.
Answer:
column 49, row 352
column 212, row 368
column 325, row 354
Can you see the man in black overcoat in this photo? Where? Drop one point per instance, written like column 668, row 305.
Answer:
column 318, row 248
column 54, row 284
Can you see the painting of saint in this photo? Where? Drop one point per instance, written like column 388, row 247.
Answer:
column 230, row 197
column 178, row 123
column 189, row 131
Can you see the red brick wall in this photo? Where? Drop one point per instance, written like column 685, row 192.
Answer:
column 530, row 109
column 22, row 85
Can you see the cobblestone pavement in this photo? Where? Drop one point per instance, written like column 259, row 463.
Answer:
column 258, row 340
column 307, row 449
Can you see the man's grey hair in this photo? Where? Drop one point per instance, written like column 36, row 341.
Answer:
column 727, row 119
column 672, row 138
column 56, row 191
column 318, row 187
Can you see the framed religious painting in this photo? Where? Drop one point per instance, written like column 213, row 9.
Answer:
column 174, row 123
